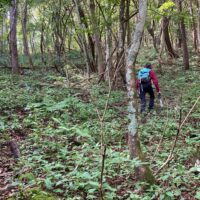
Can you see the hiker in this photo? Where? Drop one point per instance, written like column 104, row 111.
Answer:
column 144, row 85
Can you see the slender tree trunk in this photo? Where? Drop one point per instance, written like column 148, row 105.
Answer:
column 24, row 32
column 121, row 40
column 1, row 36
column 183, row 39
column 13, row 38
column 179, row 38
column 151, row 32
column 121, row 28
column 98, row 46
column 143, row 172
column 109, row 70
column 167, row 38
column 32, row 43
column 198, row 24
column 90, row 57
column 42, row 42
column 194, row 29
column 69, row 40
column 90, row 39
column 82, row 36
column 128, row 30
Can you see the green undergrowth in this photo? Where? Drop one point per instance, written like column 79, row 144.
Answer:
column 59, row 133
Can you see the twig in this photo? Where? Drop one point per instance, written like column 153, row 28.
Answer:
column 102, row 170
column 103, row 145
column 170, row 157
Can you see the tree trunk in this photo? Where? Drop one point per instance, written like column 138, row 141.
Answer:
column 143, row 172
column 1, row 37
column 32, row 43
column 42, row 43
column 24, row 32
column 98, row 47
column 13, row 38
column 151, row 32
column 165, row 28
column 183, row 39
column 198, row 24
column 109, row 70
column 121, row 29
column 194, row 29
column 121, row 40
column 128, row 31
column 91, row 44
column 179, row 38
column 82, row 36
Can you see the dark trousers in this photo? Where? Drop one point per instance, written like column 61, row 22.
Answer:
column 146, row 88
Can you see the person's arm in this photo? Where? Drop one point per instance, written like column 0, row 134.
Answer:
column 155, row 80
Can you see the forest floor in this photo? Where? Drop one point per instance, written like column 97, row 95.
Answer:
column 58, row 131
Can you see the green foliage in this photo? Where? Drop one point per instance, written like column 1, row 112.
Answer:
column 61, row 153
column 167, row 7
column 34, row 194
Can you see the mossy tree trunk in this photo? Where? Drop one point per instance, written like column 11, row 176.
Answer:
column 142, row 172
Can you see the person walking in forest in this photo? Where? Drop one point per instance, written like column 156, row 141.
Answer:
column 144, row 81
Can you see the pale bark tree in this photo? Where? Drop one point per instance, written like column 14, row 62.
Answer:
column 32, row 42
column 13, row 38
column 24, row 31
column 128, row 30
column 143, row 172
column 198, row 24
column 109, row 47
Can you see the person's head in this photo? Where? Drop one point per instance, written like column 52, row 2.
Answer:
column 148, row 65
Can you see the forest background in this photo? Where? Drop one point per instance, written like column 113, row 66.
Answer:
column 66, row 68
